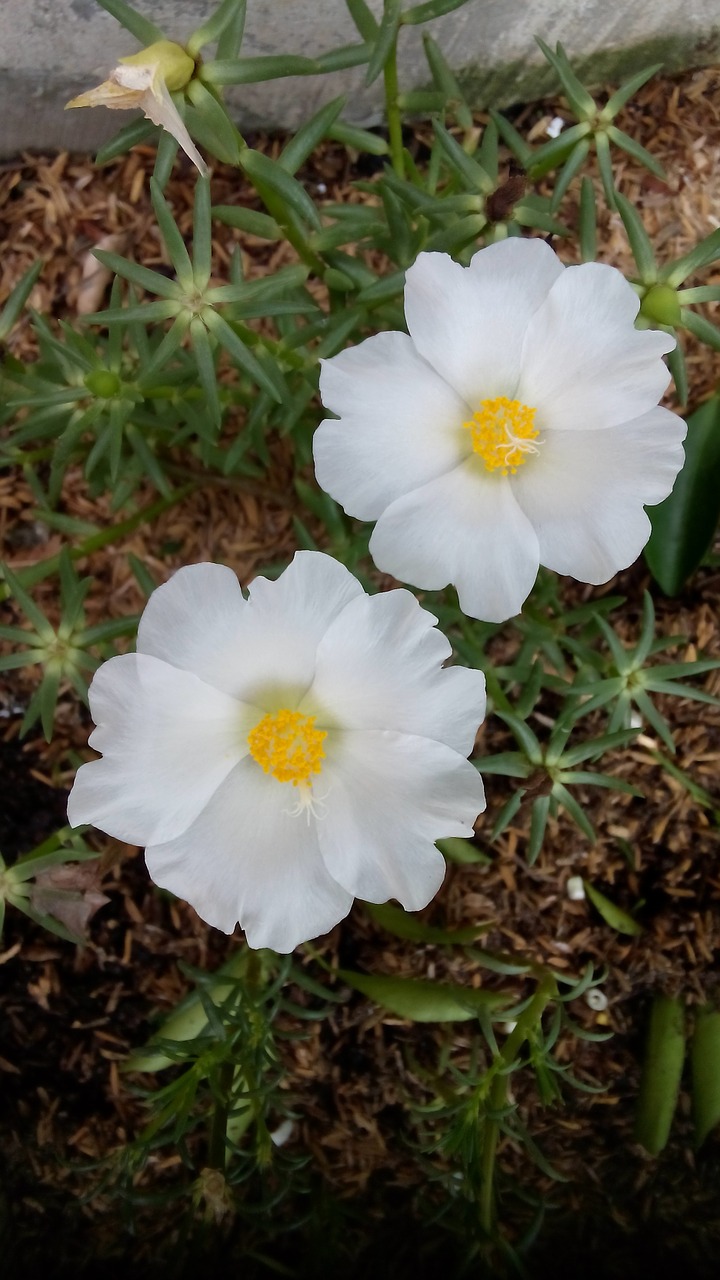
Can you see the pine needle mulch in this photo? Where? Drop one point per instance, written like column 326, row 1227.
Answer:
column 71, row 1015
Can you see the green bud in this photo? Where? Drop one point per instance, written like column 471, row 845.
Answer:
column 661, row 304
column 103, row 383
column 176, row 66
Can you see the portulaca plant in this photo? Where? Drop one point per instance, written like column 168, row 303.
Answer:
column 284, row 753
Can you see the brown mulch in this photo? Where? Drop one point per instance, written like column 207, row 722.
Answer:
column 71, row 1015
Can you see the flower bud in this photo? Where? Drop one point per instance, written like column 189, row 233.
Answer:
column 175, row 65
column 661, row 305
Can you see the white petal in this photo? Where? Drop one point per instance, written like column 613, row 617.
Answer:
column 584, row 492
column 199, row 621
column 585, row 365
column 401, row 425
column 379, row 666
column 469, row 322
column 390, row 796
column 286, row 621
column 168, row 741
column 194, row 621
column 465, row 528
column 247, row 859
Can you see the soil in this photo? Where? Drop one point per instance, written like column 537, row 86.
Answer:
column 70, row 1015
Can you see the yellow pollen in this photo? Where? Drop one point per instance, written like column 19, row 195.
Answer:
column 287, row 745
column 502, row 433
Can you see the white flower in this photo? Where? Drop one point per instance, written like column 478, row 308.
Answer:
column 145, row 80
column 281, row 754
column 517, row 425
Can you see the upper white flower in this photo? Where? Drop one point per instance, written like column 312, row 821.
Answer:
column 281, row 754
column 517, row 425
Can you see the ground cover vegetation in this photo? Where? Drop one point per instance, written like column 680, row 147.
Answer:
column 525, row 1074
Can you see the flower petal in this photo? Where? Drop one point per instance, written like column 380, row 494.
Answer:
column 390, row 797
column 401, row 425
column 285, row 622
column 168, row 742
column 469, row 322
column 584, row 363
column 246, row 858
column 379, row 666
column 465, row 528
column 584, row 492
column 199, row 621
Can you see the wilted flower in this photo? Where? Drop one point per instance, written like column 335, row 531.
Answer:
column 279, row 755
column 517, row 425
column 146, row 80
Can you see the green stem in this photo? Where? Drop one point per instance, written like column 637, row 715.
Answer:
column 276, row 209
column 497, row 1079
column 392, row 112
column 35, row 573
column 218, row 1124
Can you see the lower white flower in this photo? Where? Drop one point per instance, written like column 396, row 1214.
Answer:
column 282, row 754
column 516, row 425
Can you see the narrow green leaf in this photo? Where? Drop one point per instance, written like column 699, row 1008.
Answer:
column 468, row 169
column 152, row 281
column 430, row 9
column 605, row 165
column 206, row 368
column 165, row 157
column 129, row 18
column 538, row 823
column 705, row 1063
column 244, row 358
column 309, row 135
column 612, row 915
column 570, row 169
column 138, row 131
column 662, row 1071
column 587, row 221
column 385, row 40
column 249, row 220
column 422, row 1001
column 211, row 30
column 231, row 37
column 684, row 524
column 17, row 299
column 364, row 18
column 269, row 173
column 642, row 249
column 637, row 152
column 211, row 126
column 555, row 152
column 577, row 95
column 404, row 925
column 361, row 140
column 678, row 368
column 701, row 256
column 617, row 100
column 513, row 140
column 174, row 242
column 702, row 328
column 202, row 235
column 445, row 79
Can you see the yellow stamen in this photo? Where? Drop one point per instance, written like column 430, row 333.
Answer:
column 287, row 745
column 502, row 433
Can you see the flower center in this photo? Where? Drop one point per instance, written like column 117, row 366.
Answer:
column 287, row 745
column 502, row 433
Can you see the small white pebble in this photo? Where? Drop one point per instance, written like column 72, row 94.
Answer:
column 507, row 1027
column 555, row 127
column 283, row 1133
column 635, row 720
column 575, row 889
column 596, row 999
column 321, row 189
